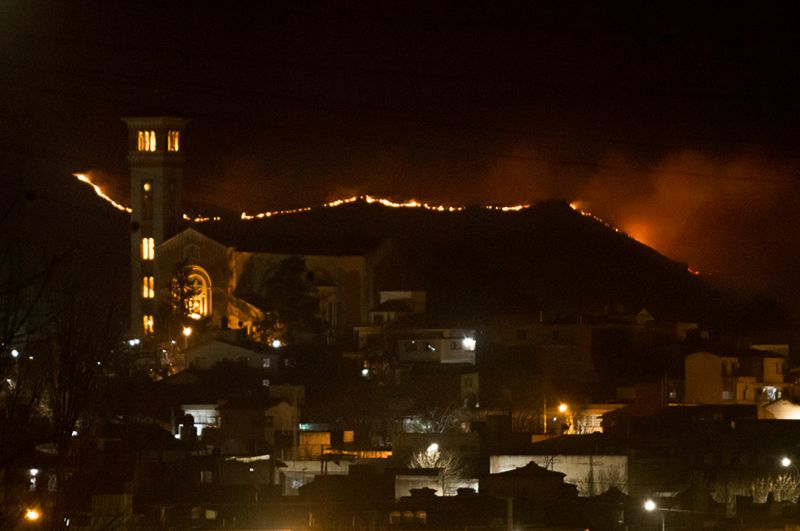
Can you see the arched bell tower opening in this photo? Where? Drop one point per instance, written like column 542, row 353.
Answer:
column 155, row 156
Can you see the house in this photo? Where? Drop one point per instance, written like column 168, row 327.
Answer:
column 531, row 482
column 413, row 337
column 205, row 355
column 748, row 377
column 256, row 425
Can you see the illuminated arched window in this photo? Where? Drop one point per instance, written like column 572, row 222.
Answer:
column 146, row 140
column 173, row 141
column 200, row 304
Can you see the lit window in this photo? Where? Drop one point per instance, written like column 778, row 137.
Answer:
column 148, row 248
column 148, row 291
column 727, row 395
column 146, row 140
column 173, row 141
column 148, row 324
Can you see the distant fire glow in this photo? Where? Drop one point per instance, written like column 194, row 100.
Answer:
column 635, row 233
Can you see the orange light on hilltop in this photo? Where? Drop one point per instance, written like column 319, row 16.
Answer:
column 200, row 219
column 369, row 199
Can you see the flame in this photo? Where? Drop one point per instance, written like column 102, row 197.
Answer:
column 201, row 219
column 576, row 206
column 99, row 191
column 369, row 199
column 507, row 208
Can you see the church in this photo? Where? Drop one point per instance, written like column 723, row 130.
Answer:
column 226, row 262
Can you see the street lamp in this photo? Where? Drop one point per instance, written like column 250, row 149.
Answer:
column 650, row 506
column 562, row 408
column 786, row 462
column 32, row 514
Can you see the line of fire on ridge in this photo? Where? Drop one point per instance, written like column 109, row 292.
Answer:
column 369, row 199
column 99, row 191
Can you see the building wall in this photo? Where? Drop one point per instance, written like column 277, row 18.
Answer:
column 704, row 383
column 348, row 273
column 773, row 370
column 313, row 444
column 434, row 351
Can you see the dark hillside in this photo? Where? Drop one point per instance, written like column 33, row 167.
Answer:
column 547, row 257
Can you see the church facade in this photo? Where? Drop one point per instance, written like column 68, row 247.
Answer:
column 224, row 272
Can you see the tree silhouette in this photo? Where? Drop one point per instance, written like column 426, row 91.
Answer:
column 451, row 464
column 288, row 300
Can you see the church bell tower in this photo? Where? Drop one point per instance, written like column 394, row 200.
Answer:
column 156, row 165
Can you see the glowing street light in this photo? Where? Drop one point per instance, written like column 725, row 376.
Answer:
column 14, row 353
column 432, row 449
column 787, row 462
column 276, row 343
column 187, row 331
column 562, row 408
column 650, row 506
column 32, row 514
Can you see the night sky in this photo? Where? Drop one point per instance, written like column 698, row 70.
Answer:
column 677, row 123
